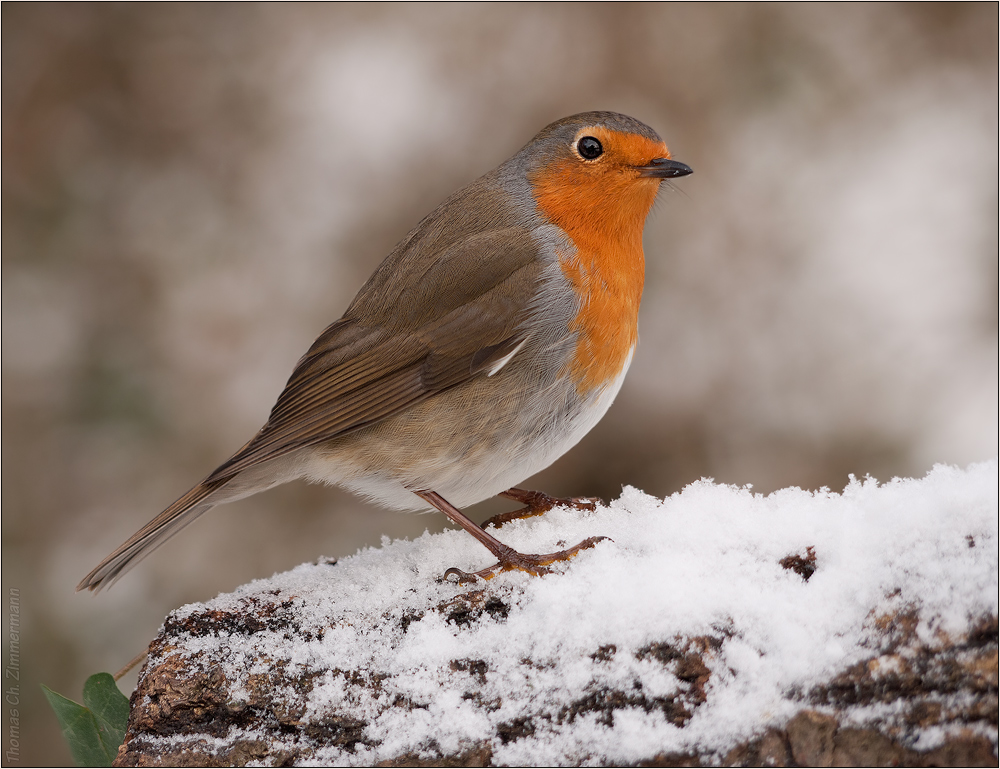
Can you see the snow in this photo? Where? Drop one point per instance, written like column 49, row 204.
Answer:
column 702, row 562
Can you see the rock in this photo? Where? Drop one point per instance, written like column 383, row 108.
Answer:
column 187, row 711
column 714, row 628
column 810, row 738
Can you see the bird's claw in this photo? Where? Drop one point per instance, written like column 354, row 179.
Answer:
column 464, row 577
column 536, row 503
column 534, row 564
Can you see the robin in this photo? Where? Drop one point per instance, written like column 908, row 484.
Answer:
column 488, row 343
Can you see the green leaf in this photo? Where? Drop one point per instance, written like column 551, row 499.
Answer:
column 110, row 708
column 95, row 732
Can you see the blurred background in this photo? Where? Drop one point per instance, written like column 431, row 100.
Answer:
column 191, row 193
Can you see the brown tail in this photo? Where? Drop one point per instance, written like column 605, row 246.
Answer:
column 182, row 512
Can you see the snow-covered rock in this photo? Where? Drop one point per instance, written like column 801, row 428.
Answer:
column 717, row 625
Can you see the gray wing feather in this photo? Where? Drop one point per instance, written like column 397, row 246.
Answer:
column 418, row 327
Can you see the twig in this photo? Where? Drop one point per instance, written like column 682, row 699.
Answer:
column 132, row 663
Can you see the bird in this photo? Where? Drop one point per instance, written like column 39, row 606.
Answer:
column 490, row 340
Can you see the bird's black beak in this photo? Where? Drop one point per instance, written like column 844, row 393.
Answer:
column 664, row 168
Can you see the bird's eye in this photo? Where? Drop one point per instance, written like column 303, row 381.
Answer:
column 589, row 148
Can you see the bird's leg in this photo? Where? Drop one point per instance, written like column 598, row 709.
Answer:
column 536, row 503
column 507, row 557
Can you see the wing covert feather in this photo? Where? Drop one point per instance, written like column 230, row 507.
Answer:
column 360, row 371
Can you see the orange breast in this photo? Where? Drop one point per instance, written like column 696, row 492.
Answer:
column 603, row 210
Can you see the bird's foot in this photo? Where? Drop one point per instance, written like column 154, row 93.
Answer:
column 508, row 558
column 536, row 564
column 536, row 503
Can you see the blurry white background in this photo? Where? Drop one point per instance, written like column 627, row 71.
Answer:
column 191, row 193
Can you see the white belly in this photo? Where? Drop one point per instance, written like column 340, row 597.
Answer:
column 488, row 446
